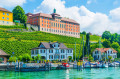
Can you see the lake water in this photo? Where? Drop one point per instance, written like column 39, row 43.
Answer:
column 101, row 73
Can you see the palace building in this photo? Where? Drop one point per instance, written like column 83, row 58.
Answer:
column 54, row 23
column 6, row 17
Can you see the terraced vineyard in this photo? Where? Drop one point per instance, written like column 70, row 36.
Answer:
column 22, row 42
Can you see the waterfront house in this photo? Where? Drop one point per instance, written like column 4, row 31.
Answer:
column 100, row 53
column 52, row 51
column 6, row 17
column 3, row 56
column 54, row 23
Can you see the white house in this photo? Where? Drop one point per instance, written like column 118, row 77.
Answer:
column 100, row 53
column 52, row 51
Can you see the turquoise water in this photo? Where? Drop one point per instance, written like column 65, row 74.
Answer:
column 105, row 73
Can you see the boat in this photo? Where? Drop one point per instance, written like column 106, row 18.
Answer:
column 90, row 65
column 114, row 64
column 63, row 66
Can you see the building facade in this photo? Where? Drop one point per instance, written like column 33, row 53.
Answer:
column 100, row 53
column 3, row 56
column 6, row 17
column 54, row 23
column 52, row 51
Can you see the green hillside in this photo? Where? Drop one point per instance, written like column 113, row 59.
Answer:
column 22, row 42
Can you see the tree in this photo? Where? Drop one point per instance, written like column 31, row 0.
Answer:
column 114, row 37
column 106, row 35
column 88, row 43
column 19, row 14
column 20, row 58
column 115, row 45
column 84, row 32
column 109, row 57
column 12, row 59
column 106, row 43
column 26, row 57
column 90, row 58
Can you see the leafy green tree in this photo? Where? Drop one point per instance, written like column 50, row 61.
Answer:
column 114, row 37
column 106, row 35
column 26, row 57
column 115, row 45
column 13, row 59
column 106, row 43
column 109, row 57
column 84, row 32
column 90, row 58
column 19, row 14
column 20, row 58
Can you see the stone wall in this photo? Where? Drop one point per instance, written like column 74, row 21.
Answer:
column 6, row 23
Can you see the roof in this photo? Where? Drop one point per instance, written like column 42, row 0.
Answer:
column 3, row 9
column 50, row 16
column 49, row 45
column 105, row 49
column 2, row 53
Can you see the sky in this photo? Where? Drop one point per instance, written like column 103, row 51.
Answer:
column 94, row 16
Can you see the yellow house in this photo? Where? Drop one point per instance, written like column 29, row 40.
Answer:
column 6, row 17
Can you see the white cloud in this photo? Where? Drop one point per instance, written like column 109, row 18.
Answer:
column 11, row 3
column 89, row 2
column 115, row 2
column 89, row 21
column 115, row 14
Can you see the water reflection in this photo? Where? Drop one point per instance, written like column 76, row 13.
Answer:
column 100, row 73
column 67, row 74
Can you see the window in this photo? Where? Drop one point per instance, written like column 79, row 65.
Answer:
column 3, row 13
column 7, row 22
column 3, row 17
column 62, row 51
column 36, row 51
column 3, row 21
column 62, row 56
column 42, row 51
column 7, row 18
column 32, row 52
column 56, row 24
column 50, row 51
column 50, row 56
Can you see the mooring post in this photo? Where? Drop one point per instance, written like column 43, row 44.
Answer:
column 18, row 66
column 45, row 66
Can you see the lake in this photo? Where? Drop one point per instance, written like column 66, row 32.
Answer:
column 94, row 73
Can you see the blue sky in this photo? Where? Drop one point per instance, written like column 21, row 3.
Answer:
column 103, row 6
column 94, row 16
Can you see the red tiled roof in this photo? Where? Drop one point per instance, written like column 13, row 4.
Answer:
column 50, row 16
column 3, row 9
column 2, row 53
column 105, row 49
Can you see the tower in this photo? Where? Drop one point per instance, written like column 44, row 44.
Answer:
column 54, row 11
